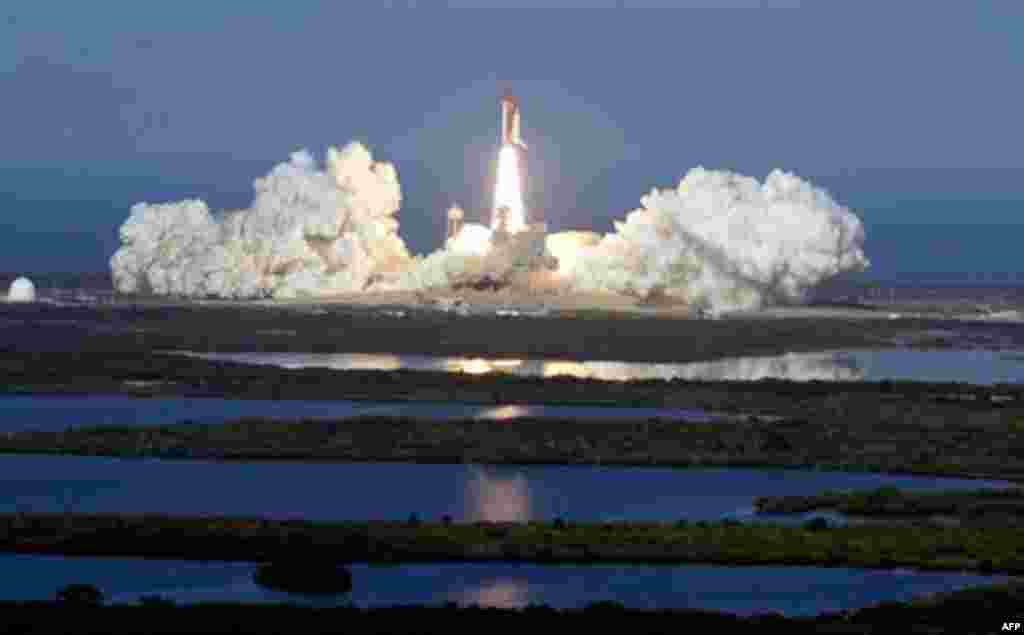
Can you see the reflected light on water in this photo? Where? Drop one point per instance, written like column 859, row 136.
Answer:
column 480, row 366
column 358, row 361
column 468, row 366
column 505, row 594
column 794, row 366
column 558, row 369
column 502, row 413
column 494, row 499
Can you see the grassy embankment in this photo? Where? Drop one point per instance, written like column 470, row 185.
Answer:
column 990, row 549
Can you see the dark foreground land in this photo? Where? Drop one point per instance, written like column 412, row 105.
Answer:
column 966, row 507
column 128, row 326
column 948, row 429
column 991, row 549
column 969, row 612
column 920, row 428
column 857, row 430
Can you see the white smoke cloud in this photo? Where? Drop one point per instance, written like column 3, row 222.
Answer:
column 309, row 232
column 719, row 240
column 724, row 241
column 473, row 239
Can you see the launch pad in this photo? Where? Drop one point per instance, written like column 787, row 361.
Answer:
column 506, row 241
column 717, row 241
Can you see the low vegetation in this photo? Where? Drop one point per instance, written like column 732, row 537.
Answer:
column 981, row 507
column 989, row 549
column 974, row 611
column 80, row 595
column 305, row 577
column 138, row 325
column 924, row 439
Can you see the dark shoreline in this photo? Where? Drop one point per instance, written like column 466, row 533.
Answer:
column 979, row 610
column 866, row 435
column 975, row 507
column 989, row 550
column 141, row 327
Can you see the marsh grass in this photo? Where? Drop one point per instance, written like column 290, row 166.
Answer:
column 873, row 546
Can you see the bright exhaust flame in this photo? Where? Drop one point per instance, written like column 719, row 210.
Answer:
column 507, row 191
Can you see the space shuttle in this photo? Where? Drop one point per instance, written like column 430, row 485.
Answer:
column 514, row 215
column 510, row 134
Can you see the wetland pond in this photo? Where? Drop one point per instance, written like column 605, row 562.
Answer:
column 394, row 491
column 743, row 590
column 969, row 366
column 20, row 413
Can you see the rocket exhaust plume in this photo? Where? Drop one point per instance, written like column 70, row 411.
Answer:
column 508, row 197
column 509, row 209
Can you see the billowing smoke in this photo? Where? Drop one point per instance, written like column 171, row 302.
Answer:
column 718, row 241
column 722, row 241
column 309, row 232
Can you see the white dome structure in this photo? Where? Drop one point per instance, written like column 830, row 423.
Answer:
column 22, row 290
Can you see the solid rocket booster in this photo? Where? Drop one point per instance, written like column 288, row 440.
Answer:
column 510, row 122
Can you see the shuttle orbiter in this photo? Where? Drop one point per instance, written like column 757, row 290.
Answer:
column 510, row 122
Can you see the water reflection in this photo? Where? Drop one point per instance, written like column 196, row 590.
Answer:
column 978, row 367
column 504, row 594
column 799, row 367
column 507, row 493
column 48, row 412
column 794, row 366
column 743, row 590
column 505, row 413
column 359, row 361
column 495, row 499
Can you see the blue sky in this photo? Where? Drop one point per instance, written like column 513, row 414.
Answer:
column 889, row 105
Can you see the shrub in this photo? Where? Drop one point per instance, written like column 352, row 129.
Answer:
column 306, row 577
column 80, row 595
column 816, row 524
column 884, row 493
